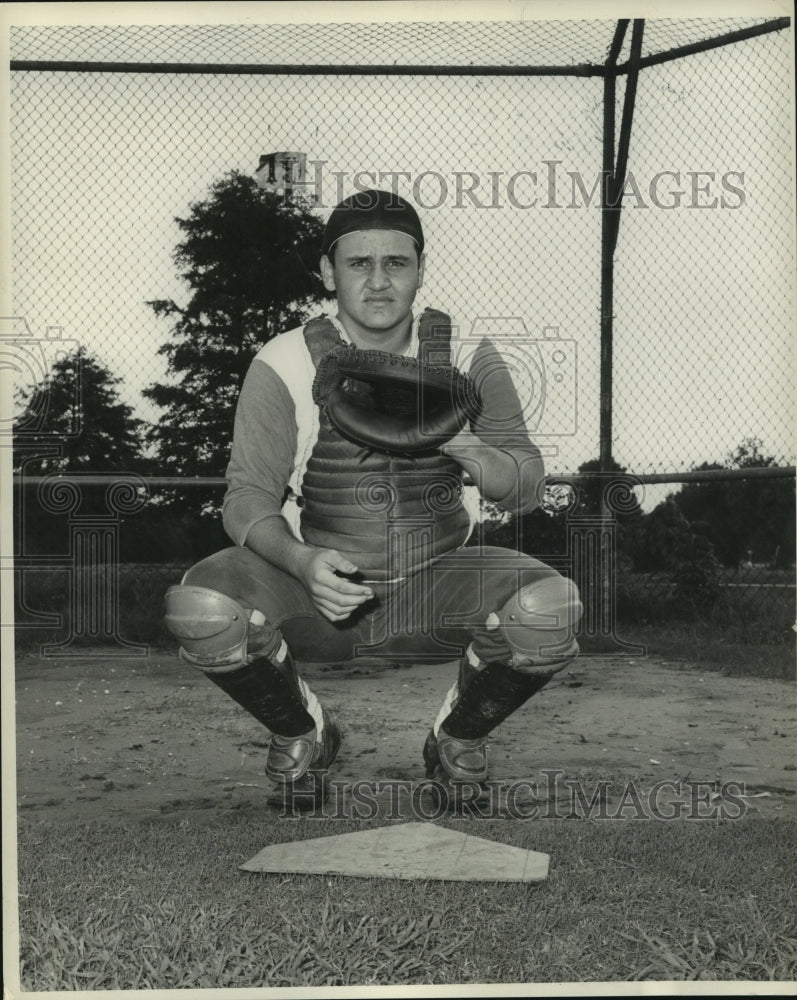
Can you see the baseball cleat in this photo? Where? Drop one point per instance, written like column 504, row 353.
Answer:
column 458, row 772
column 451, row 759
column 299, row 765
column 289, row 757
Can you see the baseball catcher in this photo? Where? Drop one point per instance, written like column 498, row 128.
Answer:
column 360, row 439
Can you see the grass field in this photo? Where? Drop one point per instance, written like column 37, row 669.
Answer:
column 163, row 905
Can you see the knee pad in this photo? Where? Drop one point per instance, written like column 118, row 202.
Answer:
column 538, row 623
column 213, row 629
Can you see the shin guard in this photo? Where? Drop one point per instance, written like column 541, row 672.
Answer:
column 490, row 695
column 268, row 691
column 242, row 654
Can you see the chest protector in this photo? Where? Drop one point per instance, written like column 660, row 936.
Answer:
column 390, row 514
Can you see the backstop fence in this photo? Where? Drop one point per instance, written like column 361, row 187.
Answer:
column 613, row 200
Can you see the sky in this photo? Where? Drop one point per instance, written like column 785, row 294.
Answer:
column 102, row 164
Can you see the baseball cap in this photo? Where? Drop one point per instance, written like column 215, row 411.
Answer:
column 372, row 209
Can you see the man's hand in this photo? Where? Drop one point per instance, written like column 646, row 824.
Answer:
column 317, row 569
column 334, row 596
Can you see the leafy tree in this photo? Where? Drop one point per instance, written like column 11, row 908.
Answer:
column 545, row 533
column 71, row 421
column 596, row 484
column 74, row 421
column 249, row 259
column 541, row 533
column 738, row 516
column 665, row 541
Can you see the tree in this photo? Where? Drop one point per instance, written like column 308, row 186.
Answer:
column 548, row 533
column 745, row 515
column 74, row 421
column 249, row 258
column 542, row 534
column 665, row 541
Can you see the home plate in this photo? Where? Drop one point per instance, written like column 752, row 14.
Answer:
column 404, row 850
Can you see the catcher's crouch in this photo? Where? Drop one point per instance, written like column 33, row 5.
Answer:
column 350, row 516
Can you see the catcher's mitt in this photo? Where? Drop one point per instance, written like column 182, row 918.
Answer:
column 392, row 403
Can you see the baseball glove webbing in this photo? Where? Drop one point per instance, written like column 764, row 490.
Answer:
column 393, row 403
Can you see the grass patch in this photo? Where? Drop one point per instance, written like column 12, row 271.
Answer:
column 746, row 631
column 141, row 589
column 744, row 611
column 163, row 906
column 699, row 646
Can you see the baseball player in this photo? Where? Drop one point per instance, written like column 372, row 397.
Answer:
column 348, row 545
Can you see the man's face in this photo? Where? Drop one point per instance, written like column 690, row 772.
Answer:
column 375, row 277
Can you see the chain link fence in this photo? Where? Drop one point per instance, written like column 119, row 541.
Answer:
column 495, row 130
column 703, row 301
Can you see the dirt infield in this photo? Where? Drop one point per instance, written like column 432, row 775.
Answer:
column 135, row 739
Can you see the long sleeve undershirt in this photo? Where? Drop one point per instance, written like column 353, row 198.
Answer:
column 274, row 433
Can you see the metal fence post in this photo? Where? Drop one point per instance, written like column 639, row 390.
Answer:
column 612, row 190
